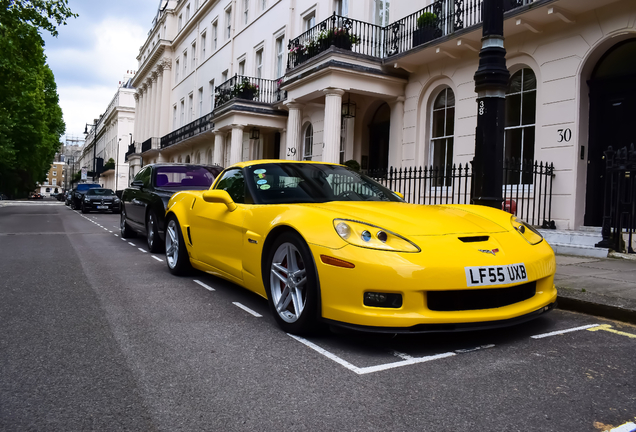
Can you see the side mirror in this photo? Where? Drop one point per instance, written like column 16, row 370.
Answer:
column 400, row 194
column 137, row 183
column 219, row 196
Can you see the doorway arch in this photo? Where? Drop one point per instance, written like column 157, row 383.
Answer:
column 612, row 92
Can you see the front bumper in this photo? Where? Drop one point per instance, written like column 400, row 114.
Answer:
column 438, row 267
column 99, row 206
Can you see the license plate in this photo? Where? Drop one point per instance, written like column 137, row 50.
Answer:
column 496, row 275
column 102, row 207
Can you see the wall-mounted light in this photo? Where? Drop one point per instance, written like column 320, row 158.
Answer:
column 349, row 108
column 255, row 134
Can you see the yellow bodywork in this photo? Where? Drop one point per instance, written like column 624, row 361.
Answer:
column 230, row 244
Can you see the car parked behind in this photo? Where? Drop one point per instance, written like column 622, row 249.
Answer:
column 77, row 194
column 143, row 205
column 100, row 199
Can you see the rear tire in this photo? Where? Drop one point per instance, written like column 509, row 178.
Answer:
column 154, row 242
column 126, row 231
column 291, row 284
column 176, row 253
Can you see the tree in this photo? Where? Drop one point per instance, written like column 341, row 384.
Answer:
column 31, row 120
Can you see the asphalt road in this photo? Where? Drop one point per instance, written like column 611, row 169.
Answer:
column 96, row 334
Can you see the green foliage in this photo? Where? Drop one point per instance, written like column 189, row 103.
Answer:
column 427, row 19
column 353, row 164
column 31, row 120
column 110, row 164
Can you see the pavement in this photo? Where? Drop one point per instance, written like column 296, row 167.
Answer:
column 603, row 287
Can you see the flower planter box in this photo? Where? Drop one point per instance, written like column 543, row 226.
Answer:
column 246, row 94
column 342, row 42
column 423, row 35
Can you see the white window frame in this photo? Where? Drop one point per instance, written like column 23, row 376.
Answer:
column 193, row 52
column 228, row 23
column 212, row 94
column 203, row 44
column 341, row 7
column 176, row 71
column 190, row 107
column 180, row 23
column 308, row 142
column 200, row 101
column 185, row 63
column 182, row 117
column 444, row 137
column 187, row 13
column 215, row 35
column 279, row 43
column 309, row 20
column 241, row 66
column 246, row 11
column 258, row 62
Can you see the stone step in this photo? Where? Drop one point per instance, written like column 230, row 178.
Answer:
column 578, row 238
column 576, row 250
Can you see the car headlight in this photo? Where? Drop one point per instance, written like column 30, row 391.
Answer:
column 86, row 199
column 116, row 200
column 372, row 237
column 527, row 231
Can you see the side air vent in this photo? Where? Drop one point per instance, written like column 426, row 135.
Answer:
column 474, row 239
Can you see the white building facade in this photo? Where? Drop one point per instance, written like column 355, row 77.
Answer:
column 390, row 84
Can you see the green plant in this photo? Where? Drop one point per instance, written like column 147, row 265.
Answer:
column 110, row 164
column 245, row 86
column 353, row 164
column 427, row 19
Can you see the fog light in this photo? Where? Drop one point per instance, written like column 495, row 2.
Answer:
column 366, row 235
column 382, row 236
column 386, row 300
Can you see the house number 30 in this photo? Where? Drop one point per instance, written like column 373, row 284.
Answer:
column 564, row 135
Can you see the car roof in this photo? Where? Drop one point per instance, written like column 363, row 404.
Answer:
column 278, row 161
column 167, row 164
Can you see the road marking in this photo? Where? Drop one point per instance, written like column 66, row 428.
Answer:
column 116, row 235
column 246, row 309
column 467, row 350
column 143, row 250
column 209, row 288
column 132, row 244
column 564, row 331
column 123, row 239
column 110, row 231
column 627, row 427
column 158, row 259
column 369, row 369
column 608, row 328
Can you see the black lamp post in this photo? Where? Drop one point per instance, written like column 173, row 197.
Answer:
column 491, row 82
column 93, row 128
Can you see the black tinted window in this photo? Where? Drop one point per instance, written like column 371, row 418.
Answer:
column 234, row 183
column 100, row 192
column 184, row 176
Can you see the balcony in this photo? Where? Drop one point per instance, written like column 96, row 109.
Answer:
column 250, row 89
column 150, row 144
column 131, row 150
column 190, row 130
column 440, row 19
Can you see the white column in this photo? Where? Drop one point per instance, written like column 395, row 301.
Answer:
column 219, row 141
column 144, row 114
column 137, row 115
column 331, row 133
column 236, row 149
column 165, row 109
column 395, row 132
column 283, row 143
column 156, row 97
column 293, row 142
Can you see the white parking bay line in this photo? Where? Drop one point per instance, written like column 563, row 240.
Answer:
column 122, row 238
column 627, row 427
column 132, row 244
column 554, row 333
column 369, row 369
column 209, row 288
column 143, row 250
column 246, row 309
column 157, row 258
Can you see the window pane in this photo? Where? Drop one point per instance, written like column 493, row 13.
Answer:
column 450, row 98
column 529, row 80
column 513, row 110
column 512, row 144
column 450, row 121
column 529, row 107
column 515, row 83
column 440, row 101
column 438, row 123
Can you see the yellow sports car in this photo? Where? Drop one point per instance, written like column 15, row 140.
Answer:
column 324, row 243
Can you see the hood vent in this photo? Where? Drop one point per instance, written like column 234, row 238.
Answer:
column 474, row 239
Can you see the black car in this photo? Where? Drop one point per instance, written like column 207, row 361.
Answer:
column 67, row 197
column 144, row 202
column 100, row 199
column 77, row 194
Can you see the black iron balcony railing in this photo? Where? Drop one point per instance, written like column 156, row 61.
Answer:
column 527, row 190
column 249, row 88
column 441, row 18
column 196, row 127
column 150, row 144
column 131, row 150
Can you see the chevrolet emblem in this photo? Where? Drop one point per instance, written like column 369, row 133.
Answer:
column 490, row 251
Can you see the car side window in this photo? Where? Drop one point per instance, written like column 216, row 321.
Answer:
column 144, row 176
column 233, row 182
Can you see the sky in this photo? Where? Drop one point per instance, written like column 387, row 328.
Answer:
column 92, row 53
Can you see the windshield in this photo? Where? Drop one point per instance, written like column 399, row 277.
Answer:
column 85, row 186
column 100, row 192
column 279, row 183
column 186, row 176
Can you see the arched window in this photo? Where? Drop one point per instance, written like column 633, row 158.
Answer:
column 179, row 160
column 521, row 104
column 197, row 158
column 187, row 159
column 308, row 143
column 209, row 157
column 442, row 136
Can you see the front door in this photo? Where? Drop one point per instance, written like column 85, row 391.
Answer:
column 612, row 120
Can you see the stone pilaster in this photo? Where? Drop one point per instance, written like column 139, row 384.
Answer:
column 331, row 133
column 219, row 143
column 236, row 149
column 395, row 132
column 293, row 142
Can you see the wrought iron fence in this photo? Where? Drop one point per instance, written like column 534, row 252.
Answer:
column 131, row 150
column 619, row 213
column 441, row 18
column 196, row 127
column 150, row 144
column 341, row 32
column 249, row 88
column 527, row 189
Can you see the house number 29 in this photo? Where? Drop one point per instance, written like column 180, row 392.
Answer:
column 291, row 151
column 564, row 135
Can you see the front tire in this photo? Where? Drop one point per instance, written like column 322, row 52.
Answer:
column 154, row 243
column 176, row 253
column 292, row 285
column 126, row 231
column 84, row 209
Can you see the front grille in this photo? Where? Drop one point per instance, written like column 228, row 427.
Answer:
column 460, row 300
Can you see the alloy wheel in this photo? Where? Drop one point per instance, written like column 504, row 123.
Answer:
column 288, row 282
column 172, row 244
